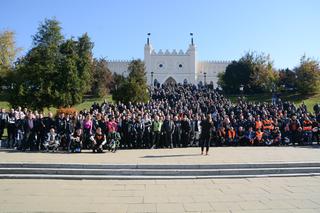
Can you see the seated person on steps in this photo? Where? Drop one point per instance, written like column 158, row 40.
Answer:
column 98, row 141
column 52, row 141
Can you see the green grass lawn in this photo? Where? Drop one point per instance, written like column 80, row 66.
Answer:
column 86, row 104
column 308, row 100
column 89, row 101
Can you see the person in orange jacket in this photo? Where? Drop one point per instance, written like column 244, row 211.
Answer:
column 268, row 124
column 231, row 136
column 258, row 123
column 258, row 139
column 307, row 129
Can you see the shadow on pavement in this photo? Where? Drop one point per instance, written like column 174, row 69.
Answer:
column 169, row 156
column 308, row 146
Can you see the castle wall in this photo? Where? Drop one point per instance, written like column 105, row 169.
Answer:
column 164, row 64
column 119, row 66
column 212, row 69
column 179, row 65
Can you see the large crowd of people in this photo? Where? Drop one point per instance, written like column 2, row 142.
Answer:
column 179, row 115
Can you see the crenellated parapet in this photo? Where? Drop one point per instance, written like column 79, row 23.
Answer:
column 118, row 61
column 215, row 62
column 167, row 52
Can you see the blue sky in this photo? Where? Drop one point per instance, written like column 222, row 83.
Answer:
column 223, row 29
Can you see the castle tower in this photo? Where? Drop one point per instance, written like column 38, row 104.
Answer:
column 165, row 66
column 147, row 60
column 192, row 52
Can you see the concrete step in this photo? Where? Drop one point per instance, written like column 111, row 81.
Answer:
column 160, row 172
column 143, row 177
column 162, row 166
column 148, row 171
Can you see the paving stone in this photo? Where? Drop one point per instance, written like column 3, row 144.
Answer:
column 145, row 207
column 194, row 207
column 170, row 207
column 281, row 194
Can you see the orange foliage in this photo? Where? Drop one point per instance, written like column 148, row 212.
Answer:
column 66, row 111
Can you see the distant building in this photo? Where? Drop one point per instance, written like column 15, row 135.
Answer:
column 174, row 66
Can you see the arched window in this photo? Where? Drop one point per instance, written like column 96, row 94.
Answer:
column 170, row 81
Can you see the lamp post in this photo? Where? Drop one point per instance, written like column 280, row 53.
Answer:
column 241, row 89
column 205, row 78
column 151, row 80
column 191, row 34
column 273, row 95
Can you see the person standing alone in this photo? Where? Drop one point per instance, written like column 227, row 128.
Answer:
column 206, row 127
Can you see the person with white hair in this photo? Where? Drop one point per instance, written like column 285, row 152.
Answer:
column 52, row 141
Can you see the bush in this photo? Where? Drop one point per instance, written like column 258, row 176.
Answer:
column 67, row 111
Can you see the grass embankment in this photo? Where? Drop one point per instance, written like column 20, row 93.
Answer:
column 86, row 104
column 308, row 100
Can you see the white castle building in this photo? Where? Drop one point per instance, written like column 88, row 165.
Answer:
column 174, row 66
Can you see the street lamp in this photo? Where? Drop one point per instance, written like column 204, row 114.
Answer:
column 273, row 95
column 151, row 80
column 241, row 90
column 205, row 78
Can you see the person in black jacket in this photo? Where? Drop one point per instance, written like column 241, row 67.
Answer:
column 68, row 130
column 3, row 121
column 124, row 132
column 49, row 123
column 11, row 128
column 167, row 130
column 76, row 141
column 40, row 131
column 177, row 132
column 185, row 131
column 29, row 132
column 147, row 143
column 206, row 128
column 138, row 131
column 59, row 124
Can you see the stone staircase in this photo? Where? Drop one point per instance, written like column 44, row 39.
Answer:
column 151, row 171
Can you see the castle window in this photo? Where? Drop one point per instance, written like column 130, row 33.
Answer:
column 160, row 65
column 180, row 65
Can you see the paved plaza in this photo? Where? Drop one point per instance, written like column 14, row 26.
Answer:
column 299, row 194
column 172, row 156
column 277, row 194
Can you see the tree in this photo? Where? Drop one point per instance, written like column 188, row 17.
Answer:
column 55, row 72
column 68, row 75
column 85, row 47
column 35, row 74
column 308, row 75
column 254, row 71
column 8, row 53
column 287, row 78
column 236, row 74
column 134, row 88
column 102, row 78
